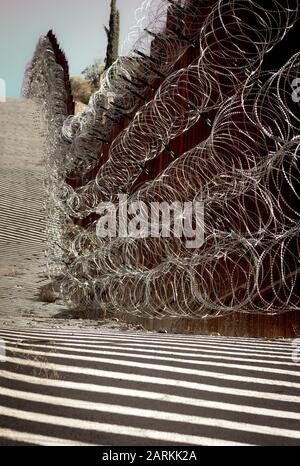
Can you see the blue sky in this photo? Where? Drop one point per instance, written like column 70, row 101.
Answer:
column 78, row 25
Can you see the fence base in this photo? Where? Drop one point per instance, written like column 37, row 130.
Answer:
column 237, row 324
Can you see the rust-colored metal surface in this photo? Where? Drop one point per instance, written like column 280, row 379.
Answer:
column 236, row 324
column 63, row 62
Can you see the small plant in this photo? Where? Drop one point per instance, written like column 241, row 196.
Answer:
column 92, row 74
column 47, row 294
column 113, row 35
column 81, row 89
column 41, row 366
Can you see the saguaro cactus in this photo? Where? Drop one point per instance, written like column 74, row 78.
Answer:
column 113, row 34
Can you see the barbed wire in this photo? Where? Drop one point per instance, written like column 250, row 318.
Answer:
column 246, row 171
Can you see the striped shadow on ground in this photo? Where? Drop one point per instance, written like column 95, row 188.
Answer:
column 86, row 387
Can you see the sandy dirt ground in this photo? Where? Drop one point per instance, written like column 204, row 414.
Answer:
column 22, row 224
